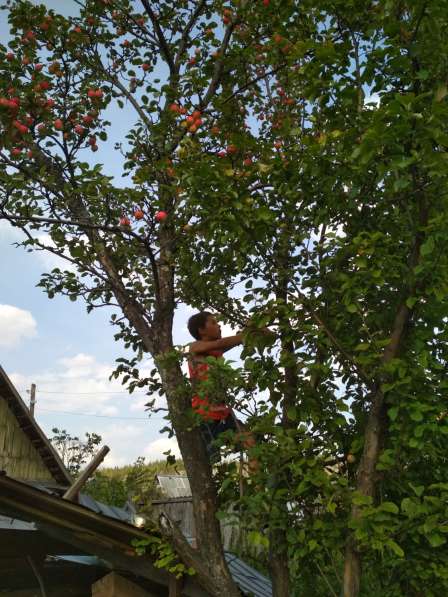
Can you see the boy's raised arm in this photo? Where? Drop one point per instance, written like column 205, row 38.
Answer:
column 224, row 344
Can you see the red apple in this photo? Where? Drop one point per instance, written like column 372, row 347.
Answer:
column 10, row 56
column 58, row 124
column 44, row 85
column 92, row 141
column 29, row 35
column 125, row 221
column 247, row 162
column 50, row 103
column 20, row 127
column 232, row 149
column 87, row 119
column 193, row 128
column 160, row 216
column 79, row 130
column 94, row 147
column 222, row 154
column 16, row 151
column 146, row 66
column 38, row 67
column 138, row 214
column 196, row 114
column 174, row 108
column 190, row 119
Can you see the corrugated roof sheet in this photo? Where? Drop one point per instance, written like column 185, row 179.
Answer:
column 174, row 485
column 250, row 581
column 100, row 508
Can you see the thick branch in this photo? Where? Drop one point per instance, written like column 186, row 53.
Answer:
column 162, row 41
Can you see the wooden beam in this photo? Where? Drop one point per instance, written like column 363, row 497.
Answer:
column 73, row 491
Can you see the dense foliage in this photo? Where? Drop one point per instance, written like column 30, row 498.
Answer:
column 287, row 166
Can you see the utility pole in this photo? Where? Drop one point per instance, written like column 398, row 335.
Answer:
column 32, row 399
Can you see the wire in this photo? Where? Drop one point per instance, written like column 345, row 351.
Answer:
column 84, row 393
column 65, row 412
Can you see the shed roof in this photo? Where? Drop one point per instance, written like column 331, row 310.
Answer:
column 28, row 425
column 174, row 486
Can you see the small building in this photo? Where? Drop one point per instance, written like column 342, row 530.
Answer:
column 53, row 546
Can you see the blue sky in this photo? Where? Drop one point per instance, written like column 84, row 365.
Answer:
column 68, row 354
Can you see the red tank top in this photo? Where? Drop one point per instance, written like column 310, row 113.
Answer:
column 198, row 370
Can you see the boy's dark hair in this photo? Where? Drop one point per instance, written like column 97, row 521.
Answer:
column 196, row 321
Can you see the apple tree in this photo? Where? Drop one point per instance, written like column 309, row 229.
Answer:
column 287, row 166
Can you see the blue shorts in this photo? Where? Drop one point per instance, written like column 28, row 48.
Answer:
column 211, row 430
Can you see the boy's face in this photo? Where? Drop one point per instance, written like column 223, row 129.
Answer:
column 211, row 330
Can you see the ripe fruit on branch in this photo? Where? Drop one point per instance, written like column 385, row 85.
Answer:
column 222, row 154
column 87, row 119
column 125, row 221
column 10, row 56
column 160, row 216
column 138, row 214
column 58, row 124
column 247, row 162
column 38, row 67
column 146, row 66
column 79, row 130
column 20, row 127
column 50, row 103
column 16, row 151
column 196, row 114
column 94, row 93
column 92, row 141
column 231, row 149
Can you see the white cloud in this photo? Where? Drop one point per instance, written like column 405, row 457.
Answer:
column 155, row 450
column 48, row 259
column 8, row 233
column 16, row 325
column 76, row 384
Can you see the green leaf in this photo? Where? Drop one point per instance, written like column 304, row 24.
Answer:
column 393, row 546
column 436, row 540
column 389, row 507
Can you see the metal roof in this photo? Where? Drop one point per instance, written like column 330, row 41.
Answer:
column 174, row 486
column 111, row 511
column 250, row 581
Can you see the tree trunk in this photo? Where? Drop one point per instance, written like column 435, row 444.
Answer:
column 377, row 421
column 278, row 564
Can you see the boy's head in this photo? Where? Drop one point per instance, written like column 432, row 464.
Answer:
column 203, row 326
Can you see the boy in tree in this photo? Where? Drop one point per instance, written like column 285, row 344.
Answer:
column 217, row 418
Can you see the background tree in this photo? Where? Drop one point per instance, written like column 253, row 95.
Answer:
column 73, row 451
column 259, row 164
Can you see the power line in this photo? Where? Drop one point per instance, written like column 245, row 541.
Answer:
column 88, row 393
column 65, row 412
